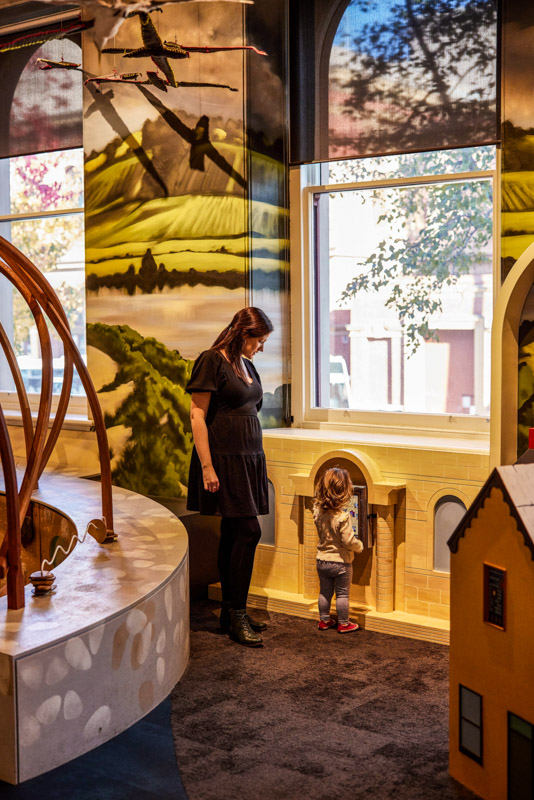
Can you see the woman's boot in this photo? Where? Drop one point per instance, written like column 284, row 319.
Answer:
column 255, row 624
column 224, row 620
column 240, row 630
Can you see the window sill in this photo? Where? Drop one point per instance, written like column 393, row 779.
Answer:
column 409, row 439
column 72, row 422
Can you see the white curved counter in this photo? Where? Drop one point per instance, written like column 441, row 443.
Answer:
column 81, row 665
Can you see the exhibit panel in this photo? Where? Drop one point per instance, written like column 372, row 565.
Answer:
column 396, row 587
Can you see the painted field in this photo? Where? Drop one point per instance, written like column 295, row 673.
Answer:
column 517, row 219
column 199, row 232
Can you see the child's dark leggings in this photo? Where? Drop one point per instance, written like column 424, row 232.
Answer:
column 239, row 538
column 334, row 576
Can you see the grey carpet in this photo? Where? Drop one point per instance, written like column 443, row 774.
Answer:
column 312, row 715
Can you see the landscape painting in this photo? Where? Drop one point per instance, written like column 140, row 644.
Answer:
column 171, row 231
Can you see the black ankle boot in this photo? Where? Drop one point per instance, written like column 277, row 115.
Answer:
column 240, row 630
column 224, row 619
column 255, row 624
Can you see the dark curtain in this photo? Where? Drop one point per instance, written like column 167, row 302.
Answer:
column 373, row 77
column 41, row 109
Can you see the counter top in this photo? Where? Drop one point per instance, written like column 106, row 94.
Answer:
column 95, row 582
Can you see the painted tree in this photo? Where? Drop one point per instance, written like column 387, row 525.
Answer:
column 155, row 458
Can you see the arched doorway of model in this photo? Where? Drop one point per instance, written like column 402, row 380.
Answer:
column 374, row 578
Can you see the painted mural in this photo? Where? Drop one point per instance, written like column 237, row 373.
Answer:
column 175, row 242
column 517, row 219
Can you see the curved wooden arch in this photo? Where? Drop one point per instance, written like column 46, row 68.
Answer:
column 31, row 473
column 41, row 300
column 48, row 301
column 15, row 582
column 24, row 403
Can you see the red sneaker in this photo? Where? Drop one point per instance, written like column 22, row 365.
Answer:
column 324, row 626
column 350, row 626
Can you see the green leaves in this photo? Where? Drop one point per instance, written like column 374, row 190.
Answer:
column 155, row 459
column 434, row 234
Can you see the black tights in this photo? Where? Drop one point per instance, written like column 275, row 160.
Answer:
column 239, row 538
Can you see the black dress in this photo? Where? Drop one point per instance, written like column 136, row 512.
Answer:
column 235, row 440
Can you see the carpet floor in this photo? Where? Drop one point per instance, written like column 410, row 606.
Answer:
column 312, row 715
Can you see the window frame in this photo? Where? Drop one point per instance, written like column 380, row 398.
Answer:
column 305, row 181
column 461, row 747
column 78, row 406
column 446, row 496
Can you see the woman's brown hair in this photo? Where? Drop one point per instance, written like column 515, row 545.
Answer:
column 333, row 489
column 246, row 322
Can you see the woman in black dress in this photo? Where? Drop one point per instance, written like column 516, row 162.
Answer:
column 228, row 474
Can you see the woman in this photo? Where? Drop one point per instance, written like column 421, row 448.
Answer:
column 228, row 475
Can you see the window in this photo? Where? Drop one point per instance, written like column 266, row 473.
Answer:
column 400, row 285
column 520, row 758
column 471, row 724
column 41, row 198
column 41, row 205
column 448, row 512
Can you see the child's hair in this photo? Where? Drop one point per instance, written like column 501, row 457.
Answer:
column 333, row 489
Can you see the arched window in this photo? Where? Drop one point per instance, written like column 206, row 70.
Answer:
column 412, row 75
column 267, row 522
column 41, row 196
column 448, row 512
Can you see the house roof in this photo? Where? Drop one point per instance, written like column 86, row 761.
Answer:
column 517, row 485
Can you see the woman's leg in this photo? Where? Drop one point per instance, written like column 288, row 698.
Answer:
column 226, row 545
column 342, row 587
column 326, row 590
column 246, row 535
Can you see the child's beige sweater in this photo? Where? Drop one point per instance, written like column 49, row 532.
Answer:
column 337, row 541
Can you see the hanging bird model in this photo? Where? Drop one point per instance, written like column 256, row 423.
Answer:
column 47, row 63
column 160, row 51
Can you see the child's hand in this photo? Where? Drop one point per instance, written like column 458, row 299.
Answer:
column 211, row 481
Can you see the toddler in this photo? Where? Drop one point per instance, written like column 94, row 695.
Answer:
column 336, row 548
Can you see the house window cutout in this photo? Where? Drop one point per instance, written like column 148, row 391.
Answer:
column 520, row 758
column 448, row 512
column 267, row 521
column 470, row 724
column 495, row 596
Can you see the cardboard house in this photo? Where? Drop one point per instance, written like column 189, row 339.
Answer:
column 492, row 639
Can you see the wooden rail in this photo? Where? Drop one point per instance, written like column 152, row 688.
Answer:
column 41, row 300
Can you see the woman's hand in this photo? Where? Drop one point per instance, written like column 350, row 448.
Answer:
column 211, row 481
